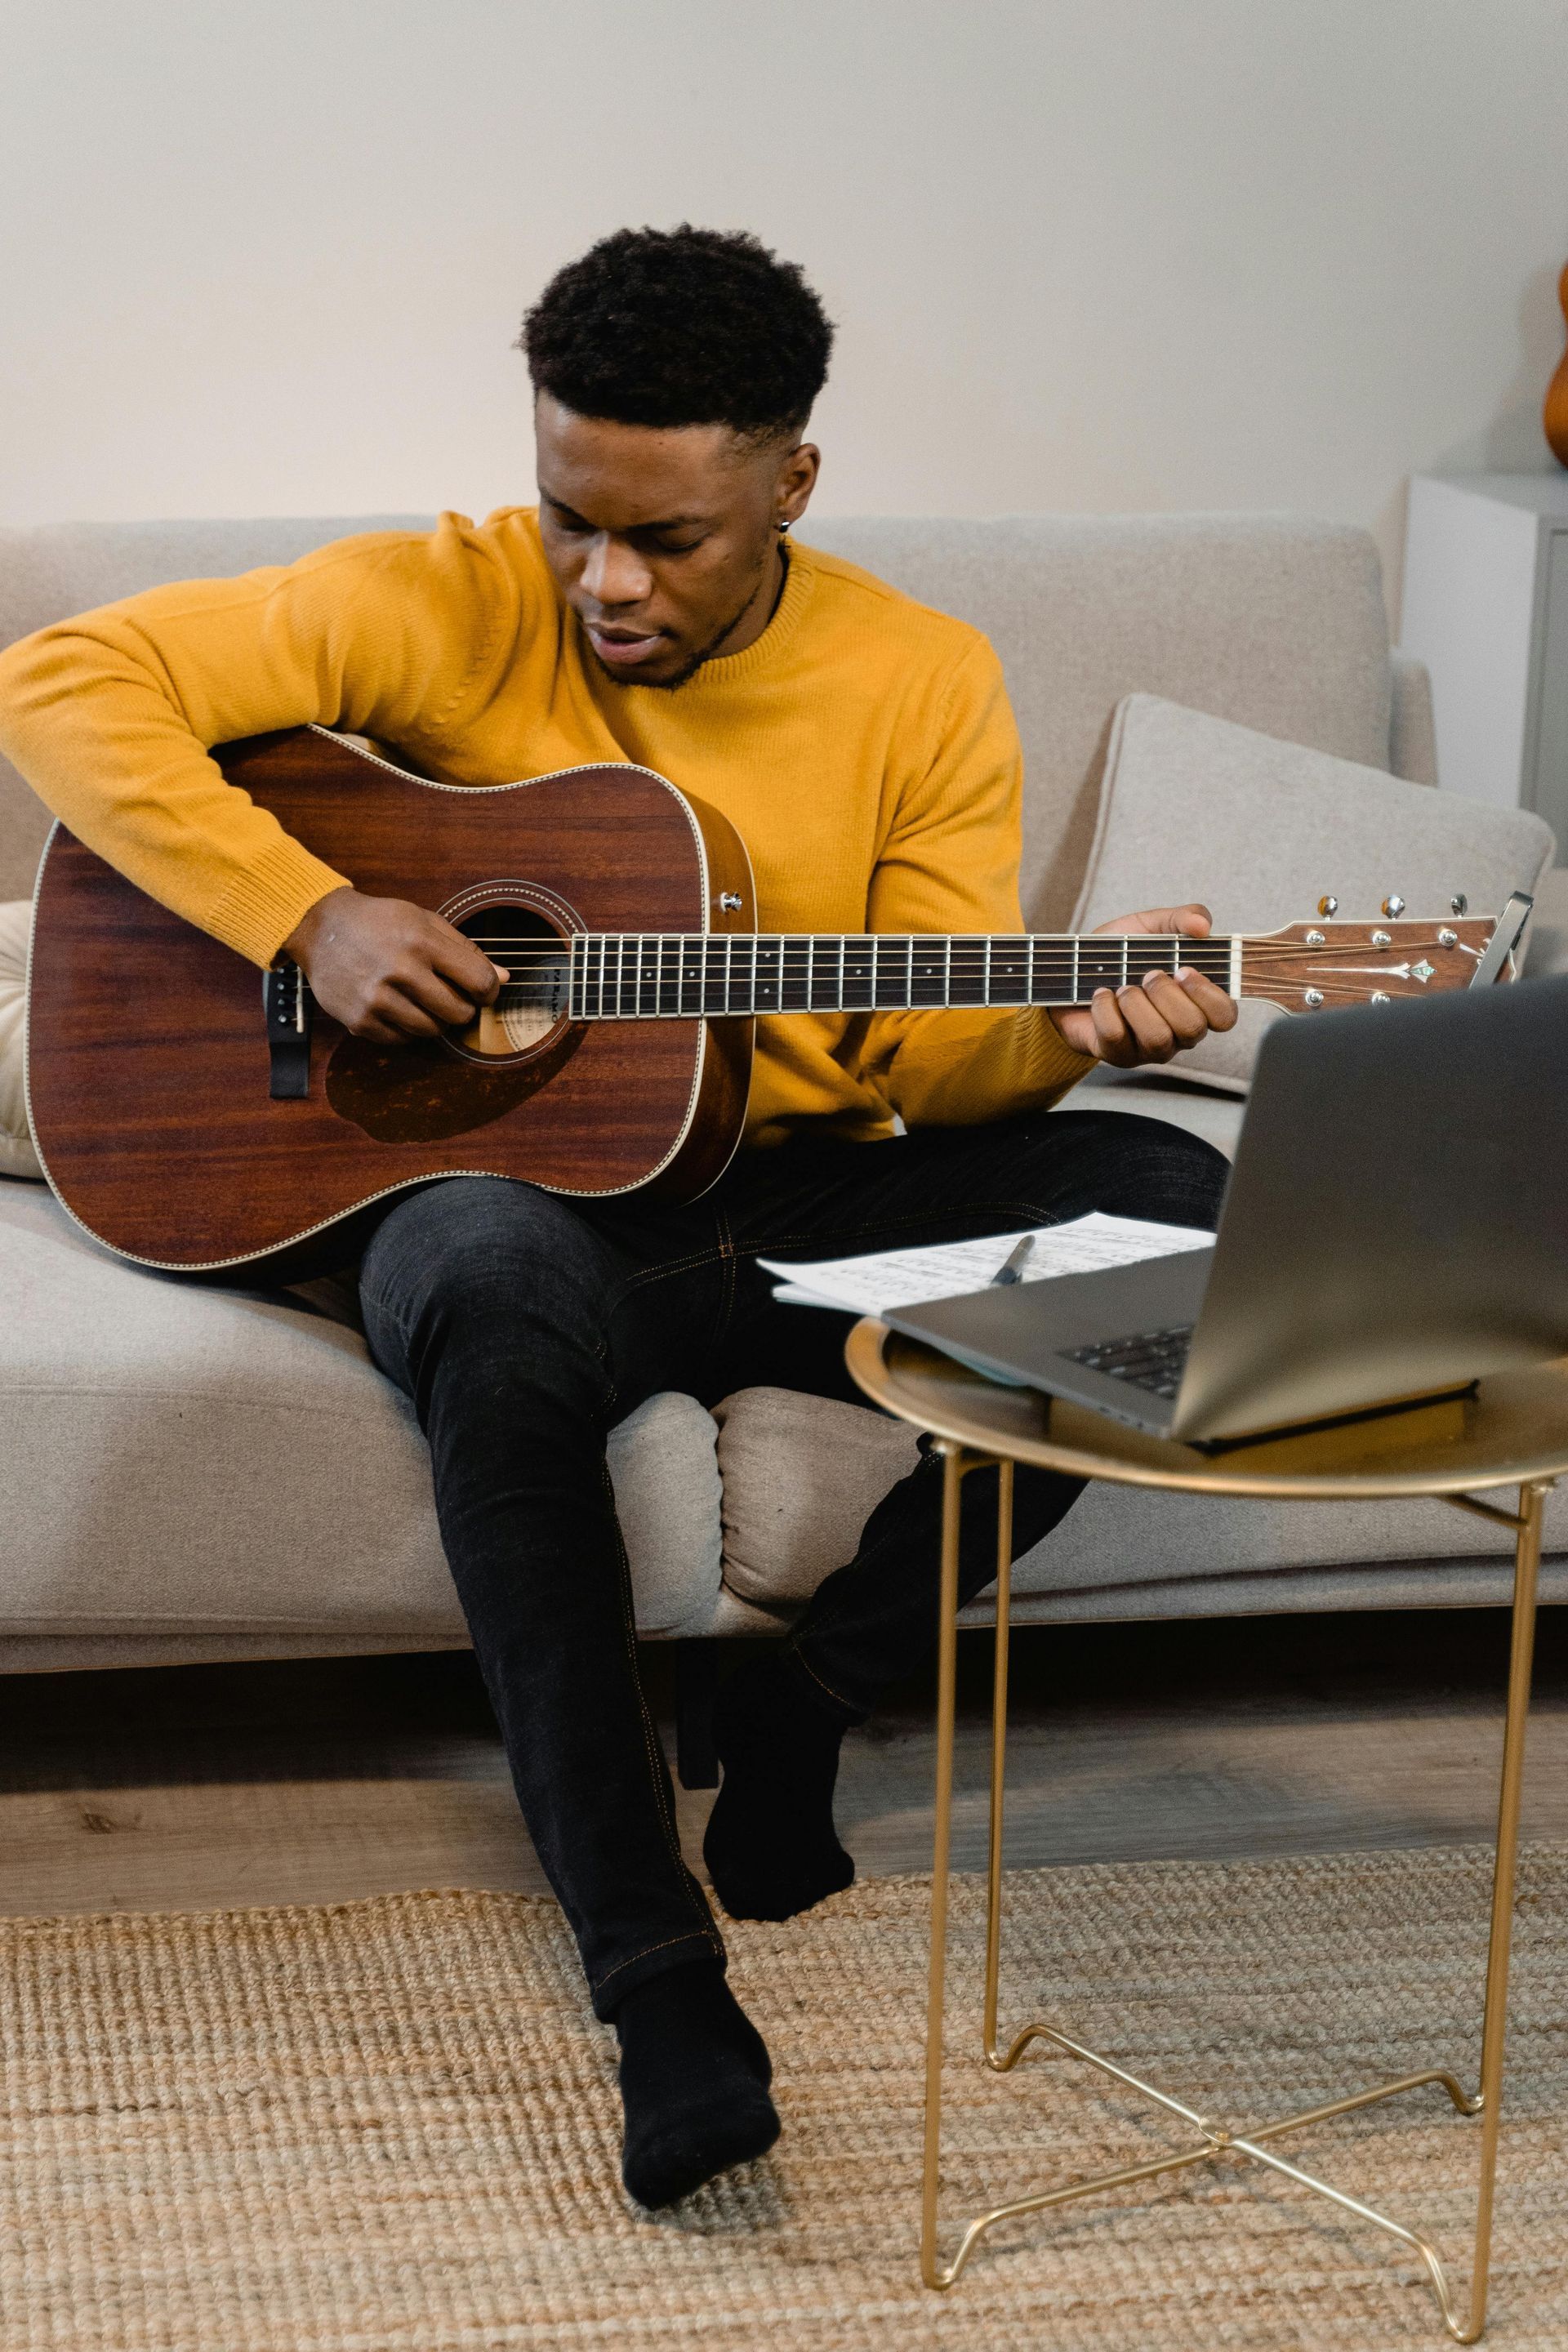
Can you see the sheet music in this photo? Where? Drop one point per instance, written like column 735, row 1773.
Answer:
column 881, row 1279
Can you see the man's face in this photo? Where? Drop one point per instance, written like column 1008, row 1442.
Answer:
column 664, row 541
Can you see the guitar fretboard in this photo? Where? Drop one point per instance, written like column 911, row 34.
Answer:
column 649, row 976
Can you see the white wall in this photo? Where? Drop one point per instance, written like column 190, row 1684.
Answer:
column 1086, row 254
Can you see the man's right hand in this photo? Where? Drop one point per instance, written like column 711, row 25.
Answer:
column 389, row 970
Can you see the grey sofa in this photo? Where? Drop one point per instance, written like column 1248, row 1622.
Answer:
column 191, row 1474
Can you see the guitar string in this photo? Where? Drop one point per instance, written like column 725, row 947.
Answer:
column 661, row 944
column 1267, row 940
column 966, row 943
column 782, row 963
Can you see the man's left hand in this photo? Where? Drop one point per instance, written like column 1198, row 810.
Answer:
column 1162, row 1015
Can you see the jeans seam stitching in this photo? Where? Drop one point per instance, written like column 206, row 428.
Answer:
column 692, row 1935
column 668, row 1266
column 652, row 1755
column 837, row 1695
column 727, row 1282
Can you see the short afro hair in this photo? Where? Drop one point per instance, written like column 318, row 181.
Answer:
column 683, row 326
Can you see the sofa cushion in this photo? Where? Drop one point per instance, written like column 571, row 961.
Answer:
column 181, row 1456
column 1195, row 807
column 187, row 1464
column 802, row 1475
column 17, row 1157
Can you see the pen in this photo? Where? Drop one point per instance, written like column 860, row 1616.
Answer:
column 1014, row 1269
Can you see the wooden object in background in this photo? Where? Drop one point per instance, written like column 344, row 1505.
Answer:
column 1554, row 414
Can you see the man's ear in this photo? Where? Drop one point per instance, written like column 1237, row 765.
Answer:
column 795, row 482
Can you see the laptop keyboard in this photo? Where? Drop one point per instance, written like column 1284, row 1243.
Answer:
column 1149, row 1360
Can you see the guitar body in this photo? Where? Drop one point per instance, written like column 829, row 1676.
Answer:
column 148, row 1058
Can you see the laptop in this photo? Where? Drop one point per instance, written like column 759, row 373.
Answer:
column 1396, row 1225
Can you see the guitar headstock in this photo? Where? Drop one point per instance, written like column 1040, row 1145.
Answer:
column 1325, row 964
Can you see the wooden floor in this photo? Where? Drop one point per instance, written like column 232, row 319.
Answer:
column 198, row 1786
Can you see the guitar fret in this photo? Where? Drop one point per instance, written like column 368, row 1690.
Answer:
column 650, row 975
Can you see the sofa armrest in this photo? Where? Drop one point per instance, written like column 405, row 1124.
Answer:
column 1412, row 738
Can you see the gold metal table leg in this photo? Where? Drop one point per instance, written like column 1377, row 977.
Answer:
column 954, row 1463
column 1494, row 2027
column 998, row 1767
column 1214, row 2140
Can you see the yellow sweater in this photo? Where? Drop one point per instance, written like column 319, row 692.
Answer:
column 863, row 747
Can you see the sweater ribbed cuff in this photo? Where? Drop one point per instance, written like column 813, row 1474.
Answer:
column 1055, row 1067
column 264, row 904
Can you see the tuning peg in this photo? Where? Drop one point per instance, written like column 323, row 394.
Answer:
column 1459, row 903
column 1327, row 905
column 1394, row 904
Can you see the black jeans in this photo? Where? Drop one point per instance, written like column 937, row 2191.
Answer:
column 523, row 1325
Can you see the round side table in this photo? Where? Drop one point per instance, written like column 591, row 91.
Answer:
column 1512, row 1431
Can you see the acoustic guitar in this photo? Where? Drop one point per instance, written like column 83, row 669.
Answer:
column 192, row 1115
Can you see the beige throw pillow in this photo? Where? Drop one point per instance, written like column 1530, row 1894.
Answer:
column 802, row 1476
column 1259, row 830
column 17, row 1157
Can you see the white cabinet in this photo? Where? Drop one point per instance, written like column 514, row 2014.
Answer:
column 1485, row 608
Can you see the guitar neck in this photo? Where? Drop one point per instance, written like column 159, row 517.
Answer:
column 646, row 976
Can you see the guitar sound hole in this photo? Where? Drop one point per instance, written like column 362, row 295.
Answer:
column 534, row 1000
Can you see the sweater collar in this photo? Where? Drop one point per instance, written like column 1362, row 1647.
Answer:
column 761, row 654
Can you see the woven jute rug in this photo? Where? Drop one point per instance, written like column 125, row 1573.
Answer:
column 394, row 2122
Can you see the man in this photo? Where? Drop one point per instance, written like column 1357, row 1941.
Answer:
column 651, row 610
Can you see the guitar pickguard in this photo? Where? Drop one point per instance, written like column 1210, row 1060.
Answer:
column 419, row 1093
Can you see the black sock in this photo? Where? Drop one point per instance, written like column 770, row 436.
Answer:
column 771, row 1848
column 694, row 2083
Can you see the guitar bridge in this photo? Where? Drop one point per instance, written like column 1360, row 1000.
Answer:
column 286, row 1003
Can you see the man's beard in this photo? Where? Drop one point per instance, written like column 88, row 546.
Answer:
column 705, row 652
